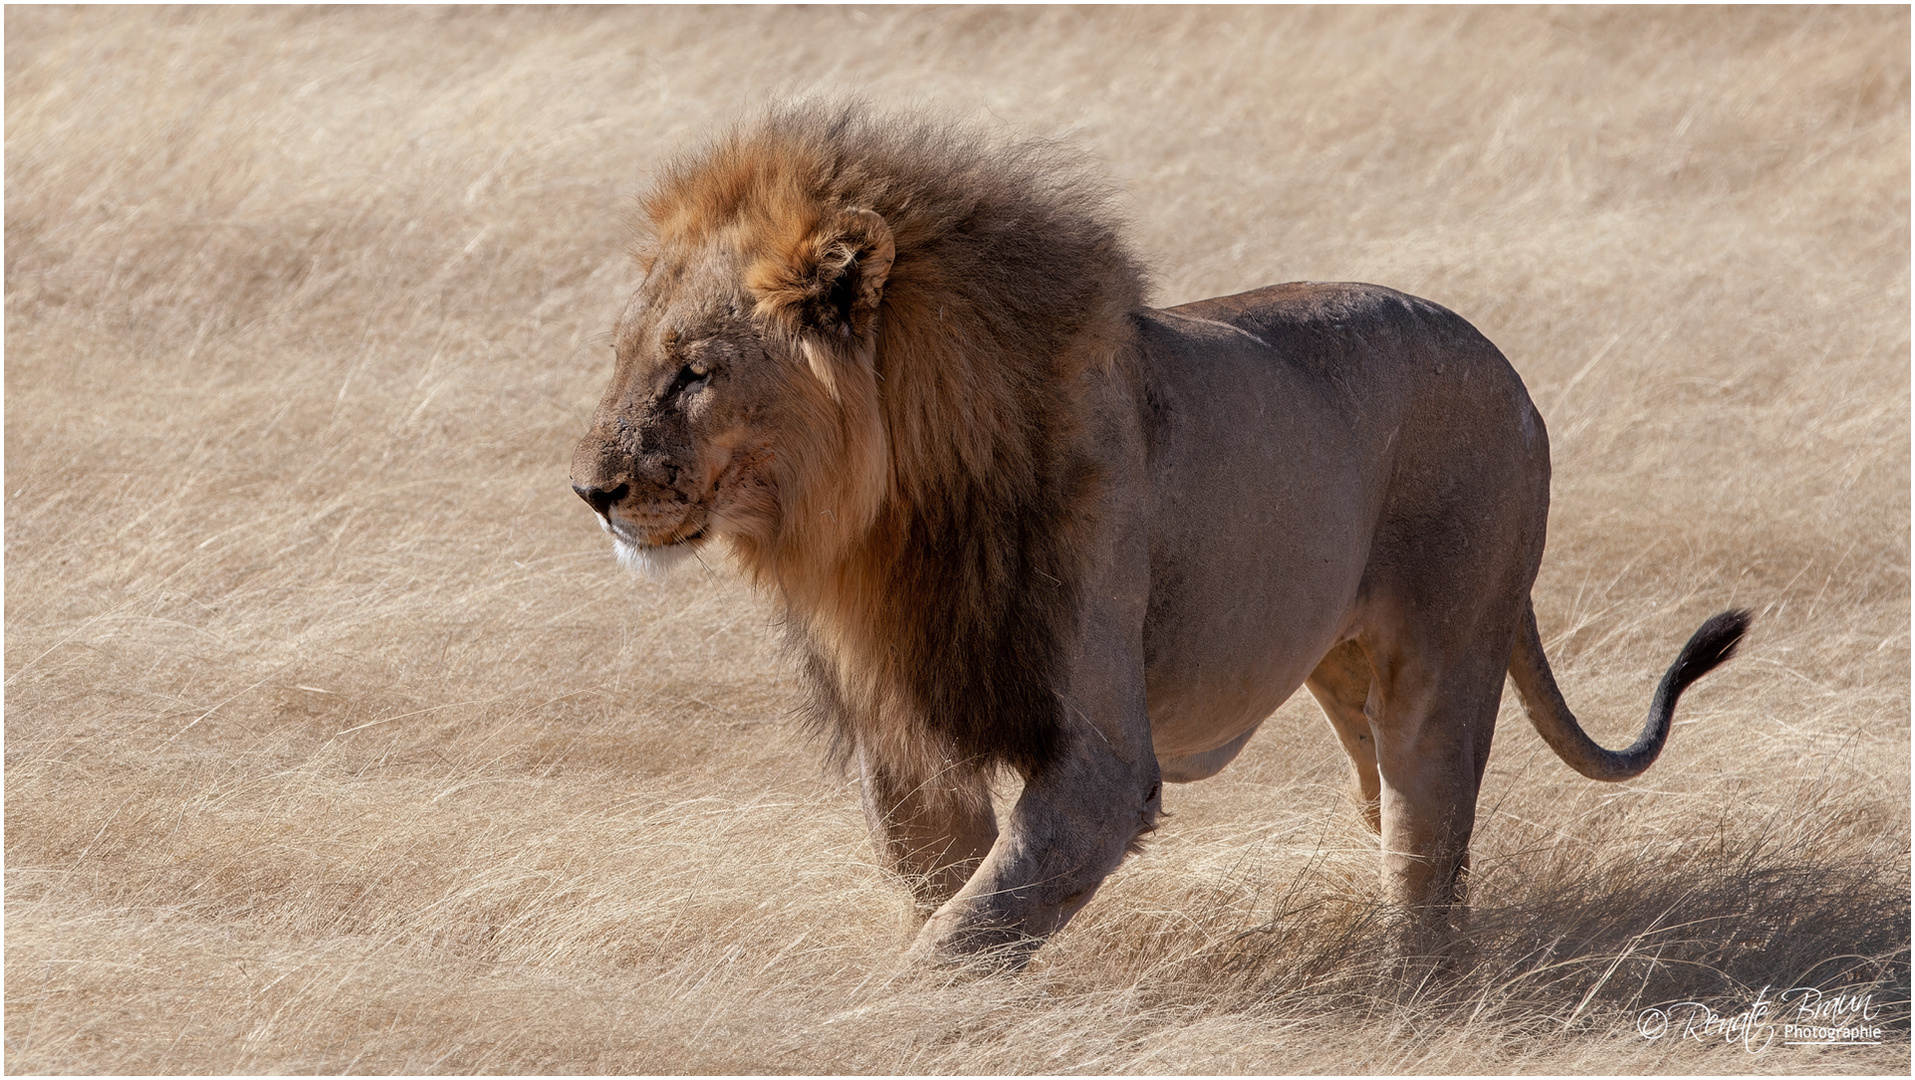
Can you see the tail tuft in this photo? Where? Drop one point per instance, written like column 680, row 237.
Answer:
column 1714, row 642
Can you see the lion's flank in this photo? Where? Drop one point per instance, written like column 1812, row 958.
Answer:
column 932, row 638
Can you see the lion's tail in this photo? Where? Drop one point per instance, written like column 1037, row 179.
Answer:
column 1529, row 668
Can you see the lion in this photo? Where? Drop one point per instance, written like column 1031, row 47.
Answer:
column 1018, row 519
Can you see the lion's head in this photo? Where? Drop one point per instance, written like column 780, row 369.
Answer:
column 743, row 372
column 855, row 357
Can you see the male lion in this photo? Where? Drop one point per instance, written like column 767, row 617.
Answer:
column 1016, row 518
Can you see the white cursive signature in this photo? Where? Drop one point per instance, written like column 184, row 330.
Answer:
column 1799, row 1016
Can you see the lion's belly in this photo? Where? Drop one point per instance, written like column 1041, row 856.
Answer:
column 1251, row 583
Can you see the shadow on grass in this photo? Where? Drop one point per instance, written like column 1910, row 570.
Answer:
column 1765, row 923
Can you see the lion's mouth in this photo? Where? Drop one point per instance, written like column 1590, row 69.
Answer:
column 625, row 533
column 654, row 558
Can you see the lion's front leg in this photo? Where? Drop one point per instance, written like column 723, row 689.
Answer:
column 1083, row 811
column 1073, row 825
column 933, row 833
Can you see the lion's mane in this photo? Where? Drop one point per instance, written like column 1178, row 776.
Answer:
column 930, row 638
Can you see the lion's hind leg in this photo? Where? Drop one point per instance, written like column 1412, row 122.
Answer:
column 1433, row 723
column 933, row 833
column 1341, row 684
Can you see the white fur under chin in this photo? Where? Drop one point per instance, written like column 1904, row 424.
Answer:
column 653, row 562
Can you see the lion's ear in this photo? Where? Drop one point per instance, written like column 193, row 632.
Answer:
column 832, row 283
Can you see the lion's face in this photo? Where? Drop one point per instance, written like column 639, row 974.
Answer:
column 679, row 448
column 737, row 405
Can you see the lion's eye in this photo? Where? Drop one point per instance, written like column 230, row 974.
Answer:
column 690, row 377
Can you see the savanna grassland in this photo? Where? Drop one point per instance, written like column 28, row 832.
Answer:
column 337, row 741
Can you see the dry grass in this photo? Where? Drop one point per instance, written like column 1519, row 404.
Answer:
column 336, row 741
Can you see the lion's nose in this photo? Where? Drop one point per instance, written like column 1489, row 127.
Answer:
column 599, row 498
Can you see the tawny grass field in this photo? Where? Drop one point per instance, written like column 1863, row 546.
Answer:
column 337, row 741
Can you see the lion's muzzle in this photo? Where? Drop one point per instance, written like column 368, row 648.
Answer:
column 657, row 522
column 638, row 496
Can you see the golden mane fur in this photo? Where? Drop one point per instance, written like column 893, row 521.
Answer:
column 935, row 506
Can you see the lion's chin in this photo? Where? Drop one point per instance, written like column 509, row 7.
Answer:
column 653, row 560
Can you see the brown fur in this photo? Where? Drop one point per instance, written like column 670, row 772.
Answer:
column 930, row 636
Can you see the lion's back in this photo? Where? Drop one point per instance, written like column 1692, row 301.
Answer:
column 1341, row 358
column 1350, row 333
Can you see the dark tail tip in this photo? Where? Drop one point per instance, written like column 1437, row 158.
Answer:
column 1714, row 642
